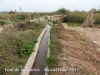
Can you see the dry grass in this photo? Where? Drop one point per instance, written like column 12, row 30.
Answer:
column 27, row 33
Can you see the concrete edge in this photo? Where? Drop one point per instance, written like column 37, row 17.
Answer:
column 31, row 60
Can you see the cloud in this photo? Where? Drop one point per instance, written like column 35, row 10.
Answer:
column 79, row 1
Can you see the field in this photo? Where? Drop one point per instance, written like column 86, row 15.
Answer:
column 17, row 41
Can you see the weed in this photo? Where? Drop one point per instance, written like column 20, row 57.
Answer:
column 54, row 22
column 82, row 39
column 90, row 73
column 51, row 32
column 2, row 22
column 51, row 46
column 51, row 62
column 55, row 46
column 25, row 48
column 35, row 41
column 74, row 24
column 20, row 63
column 71, row 30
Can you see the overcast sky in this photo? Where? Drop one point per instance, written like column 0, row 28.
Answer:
column 47, row 5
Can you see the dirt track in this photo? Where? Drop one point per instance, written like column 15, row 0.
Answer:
column 92, row 33
column 80, row 53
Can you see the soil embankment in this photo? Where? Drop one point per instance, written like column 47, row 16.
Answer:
column 79, row 51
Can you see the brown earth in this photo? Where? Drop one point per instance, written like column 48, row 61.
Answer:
column 81, row 51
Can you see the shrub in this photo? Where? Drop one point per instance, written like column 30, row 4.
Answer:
column 21, row 25
column 25, row 47
column 28, row 22
column 11, row 12
column 97, row 18
column 54, row 22
column 35, row 41
column 2, row 22
column 62, row 11
column 77, row 16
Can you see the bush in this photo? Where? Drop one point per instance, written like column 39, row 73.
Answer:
column 62, row 11
column 28, row 22
column 97, row 18
column 35, row 41
column 25, row 47
column 54, row 22
column 77, row 16
column 21, row 25
column 80, row 16
column 2, row 22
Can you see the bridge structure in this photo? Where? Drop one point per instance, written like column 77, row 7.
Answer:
column 58, row 18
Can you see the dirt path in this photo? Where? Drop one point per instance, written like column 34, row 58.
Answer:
column 92, row 33
column 78, row 52
column 65, row 25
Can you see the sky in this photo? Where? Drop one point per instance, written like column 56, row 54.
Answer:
column 48, row 5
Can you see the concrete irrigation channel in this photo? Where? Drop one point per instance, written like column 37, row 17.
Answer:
column 38, row 67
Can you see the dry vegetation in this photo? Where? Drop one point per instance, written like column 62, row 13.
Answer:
column 17, row 42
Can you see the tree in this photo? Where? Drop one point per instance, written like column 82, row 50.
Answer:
column 11, row 12
column 62, row 11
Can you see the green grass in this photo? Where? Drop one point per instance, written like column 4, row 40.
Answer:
column 55, row 46
column 74, row 24
column 25, row 47
column 51, row 62
column 54, row 22
column 2, row 22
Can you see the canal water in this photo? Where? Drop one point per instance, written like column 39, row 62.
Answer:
column 38, row 67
